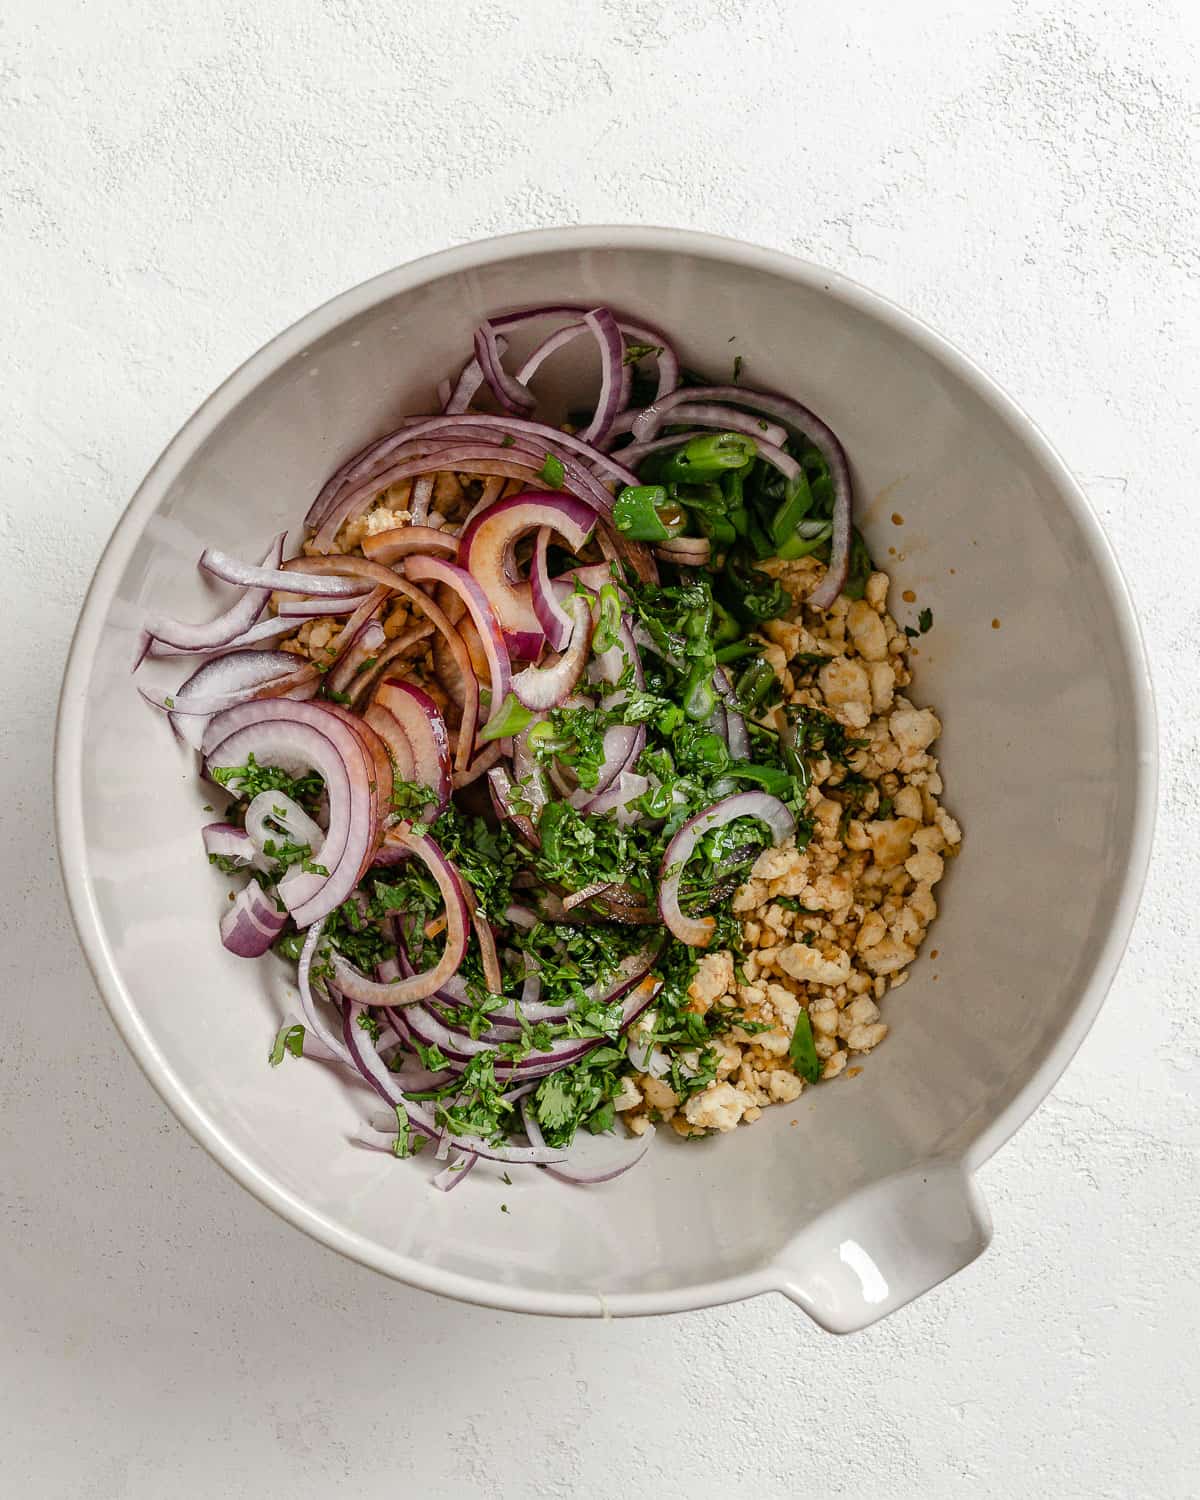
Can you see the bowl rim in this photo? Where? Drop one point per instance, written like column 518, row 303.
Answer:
column 68, row 750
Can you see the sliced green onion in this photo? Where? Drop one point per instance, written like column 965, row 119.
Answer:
column 699, row 697
column 552, row 472
column 646, row 513
column 606, row 635
column 512, row 718
column 708, row 457
column 290, row 1039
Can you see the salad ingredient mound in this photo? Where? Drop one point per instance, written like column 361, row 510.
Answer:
column 568, row 761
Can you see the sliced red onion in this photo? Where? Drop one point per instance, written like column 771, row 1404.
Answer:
column 438, row 570
column 486, row 550
column 551, row 615
column 629, row 981
column 645, row 1057
column 528, row 773
column 615, row 375
column 425, row 730
column 737, row 736
column 458, row 916
column 486, row 938
column 252, row 923
column 637, row 333
column 697, row 931
column 646, row 642
column 522, row 917
column 393, row 736
column 559, row 339
column 273, row 807
column 227, row 627
column 372, row 671
column 627, row 787
column 457, row 655
column 503, row 795
column 510, row 393
column 227, row 681
column 636, row 452
column 221, row 565
column 685, row 551
column 591, row 1159
column 298, row 610
column 269, row 629
column 484, row 456
column 378, row 760
column 302, row 737
column 377, row 1074
column 551, row 685
column 827, row 591
column 369, row 641
column 315, row 1029
column 450, row 1176
column 496, row 429
column 592, row 576
column 702, row 413
column 636, row 556
column 228, row 841
column 468, row 382
column 483, row 762
column 609, row 666
column 390, row 546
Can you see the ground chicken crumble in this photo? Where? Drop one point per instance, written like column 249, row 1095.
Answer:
column 864, row 884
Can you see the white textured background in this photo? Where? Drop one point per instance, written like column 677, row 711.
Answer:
column 180, row 180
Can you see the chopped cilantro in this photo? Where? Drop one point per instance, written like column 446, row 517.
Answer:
column 925, row 620
column 247, row 781
column 634, row 352
column 802, row 1051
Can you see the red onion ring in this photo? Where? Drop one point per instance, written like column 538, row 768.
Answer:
column 390, row 546
column 510, row 393
column 228, row 841
column 393, row 736
column 697, row 931
column 269, row 629
column 551, row 685
column 367, row 643
column 458, row 916
column 425, row 730
column 701, row 413
column 221, row 565
column 301, row 737
column 591, row 1159
column 226, row 628
column 252, row 922
column 615, row 375
column 438, row 570
column 486, row 551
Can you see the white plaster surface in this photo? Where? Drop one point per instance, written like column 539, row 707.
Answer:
column 180, row 180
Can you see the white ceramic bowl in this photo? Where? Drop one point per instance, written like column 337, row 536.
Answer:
column 860, row 1196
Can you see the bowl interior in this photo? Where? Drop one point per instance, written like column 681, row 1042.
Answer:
column 1041, row 756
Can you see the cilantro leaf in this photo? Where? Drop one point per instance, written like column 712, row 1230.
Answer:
column 802, row 1051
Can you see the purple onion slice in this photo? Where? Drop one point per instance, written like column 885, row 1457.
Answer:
column 697, row 931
